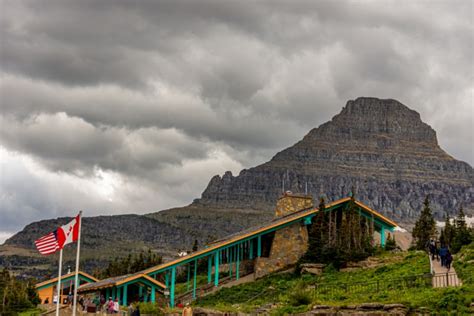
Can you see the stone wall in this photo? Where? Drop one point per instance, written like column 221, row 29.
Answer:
column 289, row 243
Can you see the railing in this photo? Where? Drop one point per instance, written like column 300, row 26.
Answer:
column 446, row 279
column 412, row 281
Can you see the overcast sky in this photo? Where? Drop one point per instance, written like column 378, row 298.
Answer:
column 131, row 106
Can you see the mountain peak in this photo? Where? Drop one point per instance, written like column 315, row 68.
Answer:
column 379, row 146
column 372, row 118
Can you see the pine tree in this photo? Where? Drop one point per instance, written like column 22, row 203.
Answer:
column 462, row 235
column 425, row 227
column 195, row 245
column 448, row 231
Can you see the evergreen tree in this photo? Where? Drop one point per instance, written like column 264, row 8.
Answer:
column 462, row 234
column 425, row 227
column 195, row 245
column 449, row 231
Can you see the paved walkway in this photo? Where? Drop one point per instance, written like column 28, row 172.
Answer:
column 442, row 277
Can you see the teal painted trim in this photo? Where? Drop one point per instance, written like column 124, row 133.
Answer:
column 142, row 280
column 230, row 262
column 194, row 279
column 153, row 295
column 209, row 269
column 167, row 279
column 237, row 264
column 118, row 294
column 216, row 272
column 251, row 249
column 307, row 220
column 259, row 246
column 114, row 291
column 376, row 221
column 382, row 237
column 124, row 296
column 173, row 280
column 188, row 277
column 107, row 293
column 65, row 280
column 257, row 235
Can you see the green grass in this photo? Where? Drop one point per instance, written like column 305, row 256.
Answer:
column 31, row 312
column 292, row 293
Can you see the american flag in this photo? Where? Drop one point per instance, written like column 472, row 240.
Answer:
column 48, row 244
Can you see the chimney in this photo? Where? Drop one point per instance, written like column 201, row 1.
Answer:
column 290, row 203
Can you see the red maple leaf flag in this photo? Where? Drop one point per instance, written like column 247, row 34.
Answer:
column 56, row 240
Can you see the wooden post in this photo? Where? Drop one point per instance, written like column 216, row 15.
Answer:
column 259, row 246
column 153, row 297
column 251, row 249
column 237, row 263
column 216, row 272
column 124, row 297
column 209, row 269
column 173, row 281
column 194, row 280
column 382, row 237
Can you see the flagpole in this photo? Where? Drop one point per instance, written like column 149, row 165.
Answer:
column 58, row 288
column 76, row 282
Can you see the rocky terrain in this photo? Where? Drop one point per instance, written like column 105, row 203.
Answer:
column 381, row 148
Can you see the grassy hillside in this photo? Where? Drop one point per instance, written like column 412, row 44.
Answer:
column 289, row 293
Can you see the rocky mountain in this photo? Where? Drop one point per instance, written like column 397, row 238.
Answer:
column 381, row 148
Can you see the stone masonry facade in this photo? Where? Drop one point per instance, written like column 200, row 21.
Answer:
column 290, row 243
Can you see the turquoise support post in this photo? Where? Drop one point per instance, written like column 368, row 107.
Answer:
column 229, row 263
column 216, row 272
column 153, row 296
column 107, row 293
column 189, row 274
column 124, row 297
column 194, row 280
column 209, row 269
column 114, row 291
column 173, row 280
column 382, row 237
column 237, row 263
column 140, row 291
column 167, row 279
column 307, row 221
column 251, row 249
column 259, row 246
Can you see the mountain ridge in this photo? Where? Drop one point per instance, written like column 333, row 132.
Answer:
column 380, row 147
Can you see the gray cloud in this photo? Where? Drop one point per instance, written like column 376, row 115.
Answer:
column 139, row 100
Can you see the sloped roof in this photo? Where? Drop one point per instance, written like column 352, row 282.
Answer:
column 280, row 221
column 117, row 281
column 63, row 277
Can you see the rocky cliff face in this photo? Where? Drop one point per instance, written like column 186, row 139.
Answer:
column 379, row 147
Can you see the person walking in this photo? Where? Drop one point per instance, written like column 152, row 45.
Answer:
column 116, row 306
column 432, row 249
column 448, row 260
column 110, row 306
column 442, row 253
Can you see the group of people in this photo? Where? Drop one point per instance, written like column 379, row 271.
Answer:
column 109, row 306
column 442, row 253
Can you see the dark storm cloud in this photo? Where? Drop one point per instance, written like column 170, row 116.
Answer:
column 136, row 100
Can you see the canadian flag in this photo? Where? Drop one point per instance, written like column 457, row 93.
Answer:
column 62, row 236
column 68, row 233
